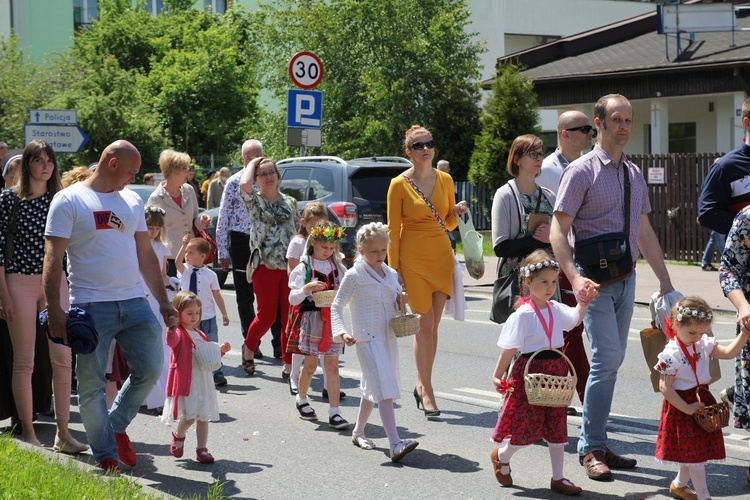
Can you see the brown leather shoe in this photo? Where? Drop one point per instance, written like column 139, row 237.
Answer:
column 615, row 461
column 565, row 487
column 686, row 492
column 595, row 466
column 503, row 479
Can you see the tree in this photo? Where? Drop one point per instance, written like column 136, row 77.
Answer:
column 510, row 111
column 388, row 65
column 24, row 86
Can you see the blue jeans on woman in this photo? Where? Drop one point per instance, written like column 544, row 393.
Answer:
column 137, row 331
column 607, row 324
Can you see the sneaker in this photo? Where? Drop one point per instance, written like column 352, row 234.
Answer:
column 220, row 380
column 125, row 451
column 709, row 267
column 338, row 422
column 109, row 466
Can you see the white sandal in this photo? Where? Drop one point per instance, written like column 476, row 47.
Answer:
column 360, row 441
column 402, row 448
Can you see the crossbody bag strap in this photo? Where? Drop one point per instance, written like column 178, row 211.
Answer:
column 8, row 251
column 429, row 204
column 626, row 174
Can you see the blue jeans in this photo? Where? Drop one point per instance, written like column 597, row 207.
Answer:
column 716, row 241
column 135, row 328
column 607, row 324
column 211, row 329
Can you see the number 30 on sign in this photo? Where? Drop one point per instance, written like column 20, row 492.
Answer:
column 306, row 70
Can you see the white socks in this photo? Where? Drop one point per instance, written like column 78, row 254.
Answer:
column 388, row 417
column 557, row 457
column 365, row 410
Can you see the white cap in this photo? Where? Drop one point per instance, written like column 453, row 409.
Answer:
column 7, row 164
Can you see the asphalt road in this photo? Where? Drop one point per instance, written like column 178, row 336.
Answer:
column 263, row 450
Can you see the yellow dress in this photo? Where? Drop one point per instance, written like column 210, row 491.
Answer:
column 419, row 248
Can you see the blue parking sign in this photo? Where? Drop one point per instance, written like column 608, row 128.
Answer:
column 304, row 108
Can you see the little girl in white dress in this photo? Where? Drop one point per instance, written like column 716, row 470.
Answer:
column 191, row 394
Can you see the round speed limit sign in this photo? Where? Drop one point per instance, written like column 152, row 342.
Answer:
column 306, row 70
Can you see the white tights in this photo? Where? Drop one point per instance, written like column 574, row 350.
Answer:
column 556, row 454
column 696, row 473
column 387, row 416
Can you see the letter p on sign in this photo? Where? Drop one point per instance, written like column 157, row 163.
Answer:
column 304, row 108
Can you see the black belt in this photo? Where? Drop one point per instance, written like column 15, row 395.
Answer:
column 542, row 355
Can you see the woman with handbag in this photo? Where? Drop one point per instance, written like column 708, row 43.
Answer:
column 521, row 213
column 179, row 202
column 421, row 209
column 23, row 215
column 275, row 220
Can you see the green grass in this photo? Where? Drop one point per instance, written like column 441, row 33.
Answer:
column 487, row 249
column 27, row 474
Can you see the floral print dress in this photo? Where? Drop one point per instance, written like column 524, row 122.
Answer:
column 273, row 224
column 734, row 274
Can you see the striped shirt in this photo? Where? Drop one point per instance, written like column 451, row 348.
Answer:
column 592, row 192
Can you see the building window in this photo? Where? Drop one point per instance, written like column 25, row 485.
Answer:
column 85, row 12
column 215, row 6
column 682, row 138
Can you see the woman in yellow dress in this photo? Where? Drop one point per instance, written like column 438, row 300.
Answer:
column 420, row 249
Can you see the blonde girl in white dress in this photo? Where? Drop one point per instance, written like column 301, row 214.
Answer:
column 191, row 394
column 371, row 290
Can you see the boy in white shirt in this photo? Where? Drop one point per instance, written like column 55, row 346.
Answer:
column 197, row 278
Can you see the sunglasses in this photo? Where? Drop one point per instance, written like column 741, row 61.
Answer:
column 419, row 146
column 586, row 129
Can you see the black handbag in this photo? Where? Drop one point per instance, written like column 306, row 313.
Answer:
column 606, row 258
column 505, row 292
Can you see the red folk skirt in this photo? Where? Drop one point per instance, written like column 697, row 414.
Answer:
column 523, row 423
column 681, row 439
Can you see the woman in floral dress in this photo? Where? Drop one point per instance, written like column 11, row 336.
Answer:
column 734, row 274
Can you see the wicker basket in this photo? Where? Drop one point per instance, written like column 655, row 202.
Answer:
column 406, row 323
column 549, row 390
column 712, row 418
column 208, row 355
column 324, row 298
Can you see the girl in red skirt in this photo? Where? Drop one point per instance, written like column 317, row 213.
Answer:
column 684, row 368
column 538, row 323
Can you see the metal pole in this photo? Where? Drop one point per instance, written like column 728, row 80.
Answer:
column 302, row 150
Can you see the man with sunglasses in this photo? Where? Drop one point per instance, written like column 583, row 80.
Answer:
column 574, row 135
column 591, row 201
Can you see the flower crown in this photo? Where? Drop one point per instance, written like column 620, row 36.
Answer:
column 327, row 233
column 527, row 270
column 683, row 311
column 151, row 209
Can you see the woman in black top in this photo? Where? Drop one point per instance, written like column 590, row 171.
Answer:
column 23, row 215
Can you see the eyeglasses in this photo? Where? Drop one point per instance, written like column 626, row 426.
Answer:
column 271, row 173
column 419, row 146
column 586, row 129
column 535, row 155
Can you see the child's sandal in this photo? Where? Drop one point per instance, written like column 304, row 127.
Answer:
column 173, row 449
column 360, row 441
column 203, row 456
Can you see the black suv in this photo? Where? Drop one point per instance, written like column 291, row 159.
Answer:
column 355, row 190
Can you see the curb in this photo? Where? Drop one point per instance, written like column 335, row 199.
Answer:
column 85, row 466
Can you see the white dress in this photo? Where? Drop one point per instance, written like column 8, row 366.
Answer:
column 156, row 397
column 372, row 303
column 202, row 403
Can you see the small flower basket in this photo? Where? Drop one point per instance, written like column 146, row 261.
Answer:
column 549, row 390
column 208, row 355
column 324, row 298
column 406, row 324
column 712, row 418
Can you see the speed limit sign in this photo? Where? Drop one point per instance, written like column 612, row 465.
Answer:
column 306, row 70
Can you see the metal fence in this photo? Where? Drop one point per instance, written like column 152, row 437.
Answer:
column 674, row 204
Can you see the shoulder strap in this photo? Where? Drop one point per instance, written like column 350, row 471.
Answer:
column 8, row 251
column 626, row 174
column 429, row 204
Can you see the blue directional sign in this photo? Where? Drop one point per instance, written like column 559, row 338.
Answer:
column 62, row 138
column 304, row 108
column 53, row 116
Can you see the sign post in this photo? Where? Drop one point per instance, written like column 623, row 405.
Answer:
column 57, row 127
column 304, row 107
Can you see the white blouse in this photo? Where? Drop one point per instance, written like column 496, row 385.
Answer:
column 298, row 275
column 524, row 331
column 672, row 361
column 371, row 300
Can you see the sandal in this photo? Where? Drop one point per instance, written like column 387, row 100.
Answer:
column 173, row 449
column 203, row 456
column 360, row 441
column 249, row 366
column 402, row 448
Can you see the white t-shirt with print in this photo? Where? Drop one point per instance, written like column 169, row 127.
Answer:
column 100, row 227
column 207, row 282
